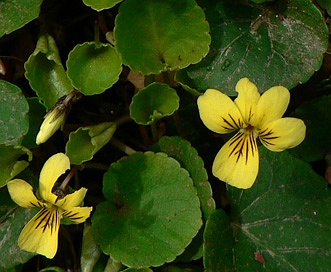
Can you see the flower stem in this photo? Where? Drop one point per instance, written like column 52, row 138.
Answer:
column 121, row 146
column 65, row 182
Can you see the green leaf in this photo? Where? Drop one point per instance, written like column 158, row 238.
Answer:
column 152, row 103
column 10, row 165
column 279, row 44
column 281, row 224
column 152, row 210
column 12, row 221
column 137, row 270
column 187, row 156
column 17, row 13
column 160, row 35
column 93, row 67
column 317, row 116
column 53, row 269
column 101, row 4
column 326, row 4
column 45, row 72
column 86, row 141
column 14, row 122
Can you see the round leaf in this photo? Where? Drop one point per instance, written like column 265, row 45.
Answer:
column 154, row 102
column 14, row 122
column 101, row 4
column 17, row 13
column 45, row 72
column 93, row 67
column 159, row 35
column 151, row 213
column 280, row 44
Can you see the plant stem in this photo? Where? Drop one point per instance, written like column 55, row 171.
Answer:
column 122, row 146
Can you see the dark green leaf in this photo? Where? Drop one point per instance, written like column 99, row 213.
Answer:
column 14, row 122
column 93, row 67
column 10, row 165
column 154, row 102
column 283, row 223
column 152, row 210
column 45, row 72
column 277, row 44
column 16, row 13
column 160, row 35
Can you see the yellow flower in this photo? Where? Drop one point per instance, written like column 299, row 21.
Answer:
column 40, row 235
column 254, row 115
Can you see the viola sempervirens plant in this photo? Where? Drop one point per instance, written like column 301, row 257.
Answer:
column 40, row 235
column 254, row 115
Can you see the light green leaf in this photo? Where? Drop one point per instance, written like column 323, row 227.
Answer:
column 16, row 13
column 45, row 72
column 10, row 166
column 279, row 44
column 93, row 67
column 14, row 122
column 154, row 102
column 152, row 210
column 160, row 35
column 101, row 4
column 274, row 225
column 86, row 141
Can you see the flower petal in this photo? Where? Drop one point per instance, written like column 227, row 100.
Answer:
column 271, row 106
column 40, row 235
column 78, row 214
column 237, row 163
column 53, row 168
column 72, row 200
column 248, row 97
column 283, row 133
column 218, row 112
column 22, row 193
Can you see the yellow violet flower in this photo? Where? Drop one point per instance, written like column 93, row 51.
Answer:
column 254, row 115
column 40, row 235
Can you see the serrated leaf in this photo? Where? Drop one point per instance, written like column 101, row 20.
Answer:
column 279, row 44
column 14, row 14
column 187, row 156
column 101, row 4
column 317, row 116
column 86, row 141
column 274, row 224
column 152, row 103
column 93, row 67
column 151, row 213
column 14, row 122
column 161, row 35
column 12, row 221
column 10, row 165
column 45, row 72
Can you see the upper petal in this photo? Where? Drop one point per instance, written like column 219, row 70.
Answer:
column 78, row 214
column 248, row 97
column 22, row 193
column 283, row 133
column 53, row 168
column 40, row 235
column 72, row 200
column 237, row 163
column 271, row 106
column 218, row 112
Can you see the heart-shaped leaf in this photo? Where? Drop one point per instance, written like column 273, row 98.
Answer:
column 45, row 72
column 281, row 224
column 14, row 122
column 154, row 102
column 93, row 67
column 271, row 44
column 152, row 210
column 160, row 35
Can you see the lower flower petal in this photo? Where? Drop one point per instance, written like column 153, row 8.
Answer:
column 40, row 235
column 22, row 194
column 237, row 163
column 78, row 214
column 283, row 133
